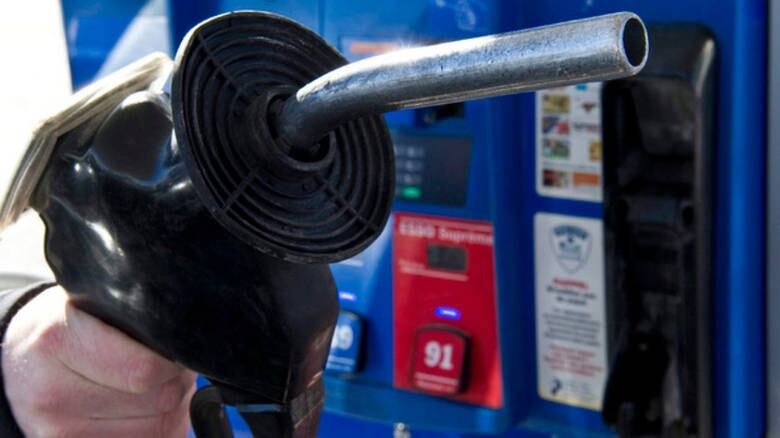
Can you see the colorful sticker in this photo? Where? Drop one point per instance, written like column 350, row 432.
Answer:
column 571, row 347
column 568, row 142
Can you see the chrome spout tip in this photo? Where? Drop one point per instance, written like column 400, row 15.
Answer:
column 634, row 41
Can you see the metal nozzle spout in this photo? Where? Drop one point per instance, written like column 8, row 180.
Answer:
column 594, row 49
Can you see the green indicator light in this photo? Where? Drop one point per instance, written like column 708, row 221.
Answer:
column 411, row 192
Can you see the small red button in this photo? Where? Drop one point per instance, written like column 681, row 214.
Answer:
column 439, row 360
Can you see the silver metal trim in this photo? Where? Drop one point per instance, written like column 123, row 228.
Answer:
column 98, row 98
column 773, row 224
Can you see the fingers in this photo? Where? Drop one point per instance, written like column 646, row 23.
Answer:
column 173, row 424
column 94, row 349
column 68, row 374
column 109, row 357
column 72, row 395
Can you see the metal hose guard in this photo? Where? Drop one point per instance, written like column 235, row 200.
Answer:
column 316, row 205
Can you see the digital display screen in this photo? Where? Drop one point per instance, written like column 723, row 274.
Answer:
column 432, row 169
column 449, row 258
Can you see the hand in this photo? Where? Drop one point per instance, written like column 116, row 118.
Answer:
column 67, row 374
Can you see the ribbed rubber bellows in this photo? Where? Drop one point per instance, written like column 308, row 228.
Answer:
column 316, row 205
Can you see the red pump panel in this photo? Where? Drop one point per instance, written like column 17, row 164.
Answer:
column 445, row 327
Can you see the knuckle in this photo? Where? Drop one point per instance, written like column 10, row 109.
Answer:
column 170, row 396
column 155, row 427
column 42, row 427
column 162, row 426
column 63, row 433
column 142, row 374
column 174, row 424
column 68, row 432
column 43, row 400
column 51, row 339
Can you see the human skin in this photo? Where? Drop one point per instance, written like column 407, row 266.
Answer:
column 67, row 374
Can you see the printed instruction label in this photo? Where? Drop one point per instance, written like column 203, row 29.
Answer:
column 571, row 348
column 568, row 142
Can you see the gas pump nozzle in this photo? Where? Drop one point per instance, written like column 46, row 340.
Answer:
column 201, row 221
column 594, row 49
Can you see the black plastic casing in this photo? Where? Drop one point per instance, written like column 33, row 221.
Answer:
column 131, row 241
column 658, row 173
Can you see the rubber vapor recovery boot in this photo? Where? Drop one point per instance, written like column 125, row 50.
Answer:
column 177, row 217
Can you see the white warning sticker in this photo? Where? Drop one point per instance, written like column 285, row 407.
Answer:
column 571, row 348
column 568, row 142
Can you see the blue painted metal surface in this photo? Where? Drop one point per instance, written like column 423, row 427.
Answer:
column 92, row 29
column 104, row 35
column 740, row 32
column 502, row 190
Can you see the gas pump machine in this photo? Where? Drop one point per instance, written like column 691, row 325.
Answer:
column 586, row 260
